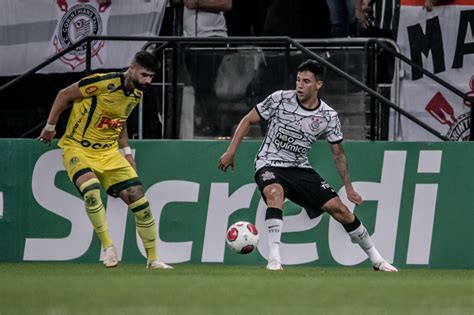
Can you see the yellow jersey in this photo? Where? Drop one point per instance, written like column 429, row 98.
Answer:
column 97, row 119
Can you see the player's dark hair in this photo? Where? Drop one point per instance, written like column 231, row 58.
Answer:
column 314, row 67
column 147, row 60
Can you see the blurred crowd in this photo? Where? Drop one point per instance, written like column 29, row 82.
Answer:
column 209, row 82
column 295, row 18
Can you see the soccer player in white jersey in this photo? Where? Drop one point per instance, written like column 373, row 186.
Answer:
column 296, row 118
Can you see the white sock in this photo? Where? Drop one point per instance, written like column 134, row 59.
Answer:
column 362, row 237
column 274, row 235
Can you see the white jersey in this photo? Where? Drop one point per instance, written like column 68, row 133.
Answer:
column 203, row 23
column 292, row 129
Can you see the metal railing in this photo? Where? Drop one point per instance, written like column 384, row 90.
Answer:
column 271, row 43
column 432, row 76
column 282, row 41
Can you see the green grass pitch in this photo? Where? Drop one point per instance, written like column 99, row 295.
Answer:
column 75, row 288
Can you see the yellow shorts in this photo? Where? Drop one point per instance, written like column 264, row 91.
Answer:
column 113, row 171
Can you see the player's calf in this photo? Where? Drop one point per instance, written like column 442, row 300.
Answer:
column 146, row 228
column 95, row 210
column 361, row 236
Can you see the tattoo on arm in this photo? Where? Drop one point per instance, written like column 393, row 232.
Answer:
column 341, row 163
column 123, row 137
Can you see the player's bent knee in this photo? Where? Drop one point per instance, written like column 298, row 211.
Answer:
column 274, row 195
column 132, row 194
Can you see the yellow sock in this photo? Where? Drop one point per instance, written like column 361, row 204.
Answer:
column 145, row 226
column 95, row 210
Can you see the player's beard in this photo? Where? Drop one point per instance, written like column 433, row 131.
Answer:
column 140, row 86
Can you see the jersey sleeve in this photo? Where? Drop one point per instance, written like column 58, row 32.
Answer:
column 267, row 107
column 334, row 132
column 92, row 85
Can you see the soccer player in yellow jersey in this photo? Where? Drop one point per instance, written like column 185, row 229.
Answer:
column 97, row 124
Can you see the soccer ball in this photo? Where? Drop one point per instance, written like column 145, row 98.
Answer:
column 242, row 237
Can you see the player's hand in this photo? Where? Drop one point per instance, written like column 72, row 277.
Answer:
column 354, row 197
column 46, row 136
column 131, row 160
column 225, row 161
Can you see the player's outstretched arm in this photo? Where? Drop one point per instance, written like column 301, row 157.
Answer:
column 227, row 159
column 63, row 98
column 341, row 166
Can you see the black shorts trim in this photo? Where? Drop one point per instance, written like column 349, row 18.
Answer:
column 115, row 189
column 303, row 186
column 79, row 173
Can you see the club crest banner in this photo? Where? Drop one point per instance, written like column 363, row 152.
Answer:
column 31, row 31
column 442, row 42
column 76, row 20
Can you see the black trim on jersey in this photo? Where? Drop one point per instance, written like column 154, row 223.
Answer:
column 306, row 108
column 256, row 108
column 99, row 78
column 126, row 91
column 336, row 142
column 115, row 189
column 91, row 113
column 137, row 96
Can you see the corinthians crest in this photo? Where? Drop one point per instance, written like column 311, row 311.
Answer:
column 78, row 19
column 443, row 112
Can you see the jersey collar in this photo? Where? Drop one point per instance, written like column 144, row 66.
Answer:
column 126, row 91
column 306, row 108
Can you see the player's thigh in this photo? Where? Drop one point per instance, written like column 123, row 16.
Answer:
column 271, row 186
column 309, row 190
column 78, row 166
column 274, row 195
column 118, row 175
